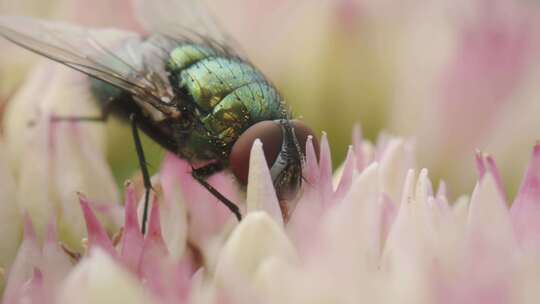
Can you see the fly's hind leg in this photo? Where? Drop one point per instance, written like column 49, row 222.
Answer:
column 200, row 175
column 105, row 111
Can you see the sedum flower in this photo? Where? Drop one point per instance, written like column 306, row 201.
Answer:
column 376, row 231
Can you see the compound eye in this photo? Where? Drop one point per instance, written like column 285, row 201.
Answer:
column 270, row 134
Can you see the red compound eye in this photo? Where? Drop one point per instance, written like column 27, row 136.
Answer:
column 269, row 132
column 271, row 135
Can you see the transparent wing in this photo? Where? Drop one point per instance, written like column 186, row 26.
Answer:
column 185, row 20
column 117, row 57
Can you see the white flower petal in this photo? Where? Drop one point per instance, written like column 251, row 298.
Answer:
column 64, row 157
column 260, row 193
column 78, row 166
column 255, row 239
column 98, row 279
column 489, row 221
column 352, row 232
column 395, row 162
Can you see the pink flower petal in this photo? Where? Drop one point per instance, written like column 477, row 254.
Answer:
column 35, row 289
column 525, row 211
column 441, row 190
column 207, row 215
column 325, row 169
column 488, row 64
column 480, row 164
column 97, row 237
column 132, row 238
column 346, row 178
column 486, row 163
column 156, row 266
column 26, row 261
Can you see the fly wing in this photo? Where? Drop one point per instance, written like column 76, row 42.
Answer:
column 185, row 20
column 113, row 56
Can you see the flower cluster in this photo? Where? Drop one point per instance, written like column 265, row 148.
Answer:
column 374, row 231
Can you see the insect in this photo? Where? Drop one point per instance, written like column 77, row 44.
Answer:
column 184, row 86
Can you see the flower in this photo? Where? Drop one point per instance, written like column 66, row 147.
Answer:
column 456, row 75
column 376, row 231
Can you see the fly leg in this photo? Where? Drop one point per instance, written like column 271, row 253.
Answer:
column 200, row 175
column 105, row 111
column 144, row 169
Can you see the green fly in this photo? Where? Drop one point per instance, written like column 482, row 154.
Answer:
column 184, row 86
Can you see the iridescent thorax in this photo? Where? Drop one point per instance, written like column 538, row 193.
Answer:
column 219, row 95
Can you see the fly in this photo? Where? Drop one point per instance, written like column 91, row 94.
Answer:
column 184, row 86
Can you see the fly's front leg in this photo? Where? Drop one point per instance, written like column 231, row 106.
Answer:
column 144, row 169
column 105, row 111
column 200, row 175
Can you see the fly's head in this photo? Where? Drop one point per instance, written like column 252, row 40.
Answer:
column 284, row 145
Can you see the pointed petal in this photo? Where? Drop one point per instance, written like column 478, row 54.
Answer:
column 352, row 231
column 480, row 164
column 261, row 195
column 154, row 258
column 309, row 208
column 395, row 162
column 325, row 171
column 489, row 226
column 525, row 211
column 441, row 190
column 97, row 237
column 132, row 238
column 346, row 178
column 424, row 189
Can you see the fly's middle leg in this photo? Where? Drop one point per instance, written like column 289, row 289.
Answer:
column 200, row 175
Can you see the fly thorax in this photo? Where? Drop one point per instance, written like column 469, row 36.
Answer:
column 150, row 110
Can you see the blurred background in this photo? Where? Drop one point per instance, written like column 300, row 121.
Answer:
column 453, row 75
